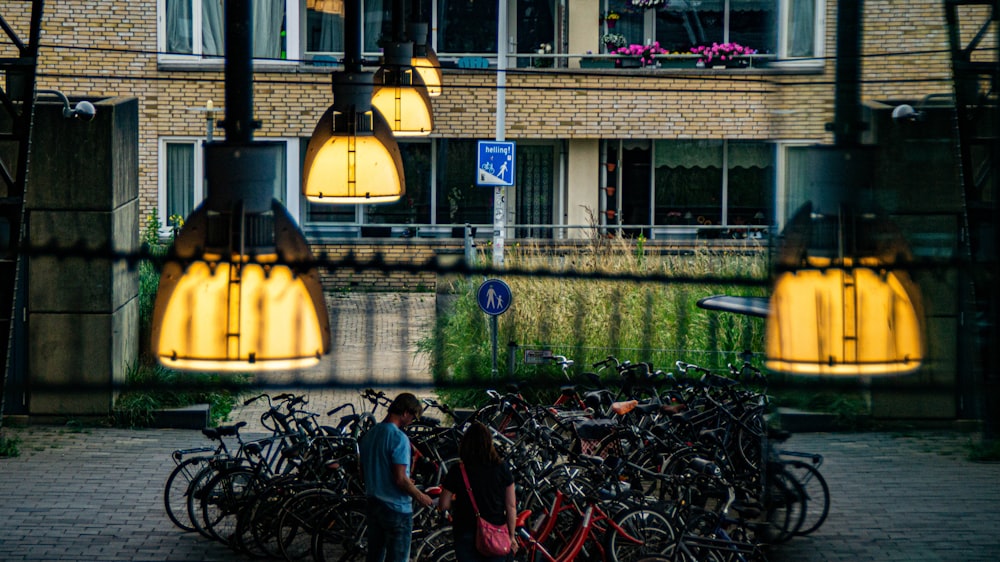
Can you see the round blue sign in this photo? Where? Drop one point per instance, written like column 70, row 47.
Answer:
column 494, row 297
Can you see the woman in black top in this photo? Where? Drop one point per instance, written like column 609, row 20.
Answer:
column 493, row 487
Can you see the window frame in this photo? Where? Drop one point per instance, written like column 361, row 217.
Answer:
column 291, row 199
column 294, row 12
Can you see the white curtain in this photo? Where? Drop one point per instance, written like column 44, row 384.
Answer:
column 268, row 19
column 212, row 28
column 180, row 180
column 179, row 26
column 801, row 35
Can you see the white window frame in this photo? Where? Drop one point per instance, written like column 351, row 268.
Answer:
column 819, row 28
column 292, row 175
column 294, row 11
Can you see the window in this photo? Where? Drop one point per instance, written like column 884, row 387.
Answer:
column 442, row 195
column 788, row 28
column 705, row 184
column 197, row 27
column 182, row 173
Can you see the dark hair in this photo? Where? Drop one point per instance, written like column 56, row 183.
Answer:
column 477, row 447
column 405, row 403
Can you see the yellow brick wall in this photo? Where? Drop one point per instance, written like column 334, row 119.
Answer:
column 108, row 47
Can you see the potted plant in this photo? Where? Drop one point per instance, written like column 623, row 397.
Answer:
column 722, row 54
column 611, row 18
column 613, row 41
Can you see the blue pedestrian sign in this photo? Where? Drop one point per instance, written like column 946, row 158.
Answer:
column 495, row 163
column 494, row 297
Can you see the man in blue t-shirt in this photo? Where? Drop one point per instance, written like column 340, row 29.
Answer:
column 385, row 466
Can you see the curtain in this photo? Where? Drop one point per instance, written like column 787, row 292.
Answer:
column 268, row 21
column 179, row 26
column 534, row 185
column 801, row 35
column 376, row 14
column 796, row 183
column 325, row 32
column 180, row 180
column 688, row 153
column 212, row 28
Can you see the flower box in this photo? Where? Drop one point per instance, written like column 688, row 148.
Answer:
column 597, row 63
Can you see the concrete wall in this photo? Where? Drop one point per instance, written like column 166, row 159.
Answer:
column 82, row 207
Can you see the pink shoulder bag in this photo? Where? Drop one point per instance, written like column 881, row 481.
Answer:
column 491, row 540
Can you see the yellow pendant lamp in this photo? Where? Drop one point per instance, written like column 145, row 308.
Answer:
column 238, row 291
column 400, row 95
column 352, row 156
column 844, row 305
column 425, row 60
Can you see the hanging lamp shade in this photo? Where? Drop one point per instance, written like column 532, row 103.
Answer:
column 352, row 156
column 238, row 291
column 842, row 304
column 425, row 60
column 400, row 95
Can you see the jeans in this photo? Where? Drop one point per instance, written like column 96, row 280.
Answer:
column 465, row 549
column 389, row 533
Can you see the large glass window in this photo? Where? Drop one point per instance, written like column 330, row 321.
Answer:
column 459, row 199
column 788, row 28
column 709, row 185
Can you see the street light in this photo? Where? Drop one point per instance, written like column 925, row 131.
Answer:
column 400, row 94
column 239, row 291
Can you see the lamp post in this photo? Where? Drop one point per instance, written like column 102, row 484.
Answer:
column 499, row 191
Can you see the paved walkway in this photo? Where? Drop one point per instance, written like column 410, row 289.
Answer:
column 96, row 494
column 88, row 494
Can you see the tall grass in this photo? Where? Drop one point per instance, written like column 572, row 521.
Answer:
column 590, row 319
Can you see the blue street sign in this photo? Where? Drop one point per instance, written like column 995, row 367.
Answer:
column 494, row 297
column 495, row 163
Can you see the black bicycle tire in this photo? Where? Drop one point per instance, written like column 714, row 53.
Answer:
column 298, row 519
column 784, row 495
column 343, row 526
column 649, row 525
column 181, row 491
column 226, row 495
column 817, row 505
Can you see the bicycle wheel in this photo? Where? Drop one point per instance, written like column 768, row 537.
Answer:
column 177, row 488
column 784, row 503
column 196, row 493
column 750, row 439
column 341, row 533
column 817, row 494
column 437, row 538
column 640, row 533
column 300, row 516
column 226, row 496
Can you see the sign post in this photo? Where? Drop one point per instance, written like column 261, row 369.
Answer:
column 494, row 298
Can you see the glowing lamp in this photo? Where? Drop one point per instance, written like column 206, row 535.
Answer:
column 842, row 304
column 400, row 95
column 239, row 291
column 425, row 60
column 352, row 156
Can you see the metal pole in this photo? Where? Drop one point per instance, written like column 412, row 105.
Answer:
column 493, row 341
column 500, row 192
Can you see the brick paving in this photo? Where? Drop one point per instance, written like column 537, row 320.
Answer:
column 83, row 494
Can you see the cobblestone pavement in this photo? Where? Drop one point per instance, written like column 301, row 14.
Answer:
column 95, row 494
